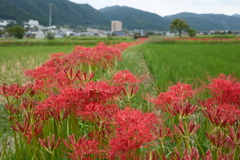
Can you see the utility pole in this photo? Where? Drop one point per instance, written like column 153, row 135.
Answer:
column 50, row 15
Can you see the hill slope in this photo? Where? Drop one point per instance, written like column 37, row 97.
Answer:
column 135, row 19
column 63, row 12
column 236, row 15
column 209, row 21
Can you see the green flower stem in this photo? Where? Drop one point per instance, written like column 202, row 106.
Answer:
column 198, row 144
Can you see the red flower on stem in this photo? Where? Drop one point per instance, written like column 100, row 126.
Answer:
column 81, row 149
column 50, row 144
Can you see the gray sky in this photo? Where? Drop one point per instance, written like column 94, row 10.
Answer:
column 169, row 7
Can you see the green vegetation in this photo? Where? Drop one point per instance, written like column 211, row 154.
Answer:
column 15, row 60
column 179, row 25
column 135, row 19
column 16, row 31
column 86, row 41
column 63, row 12
column 205, row 22
column 192, row 32
column 80, row 16
column 189, row 63
column 50, row 35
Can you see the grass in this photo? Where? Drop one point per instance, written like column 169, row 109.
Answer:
column 188, row 63
column 14, row 60
column 89, row 41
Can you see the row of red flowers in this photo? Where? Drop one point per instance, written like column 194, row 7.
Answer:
column 70, row 112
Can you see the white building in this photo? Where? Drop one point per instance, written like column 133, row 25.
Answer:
column 31, row 23
column 4, row 23
column 116, row 26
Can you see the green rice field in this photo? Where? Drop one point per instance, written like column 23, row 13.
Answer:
column 14, row 60
column 190, row 63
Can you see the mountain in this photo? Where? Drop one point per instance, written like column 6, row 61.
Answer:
column 72, row 14
column 236, row 15
column 208, row 21
column 64, row 12
column 135, row 19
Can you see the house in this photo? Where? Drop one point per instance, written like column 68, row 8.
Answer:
column 40, row 35
column 31, row 24
column 119, row 33
column 4, row 23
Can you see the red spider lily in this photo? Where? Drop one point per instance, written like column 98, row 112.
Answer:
column 176, row 93
column 49, row 143
column 57, row 55
column 221, row 156
column 53, row 102
column 89, row 110
column 124, row 45
column 125, row 77
column 234, row 137
column 218, row 139
column 14, row 90
column 10, row 108
column 184, row 110
column 21, row 128
column 60, row 116
column 28, row 130
column 208, row 155
column 70, row 73
column 100, row 55
column 127, row 140
column 100, row 91
column 160, row 131
column 81, row 149
column 222, row 115
column 85, row 101
column 133, row 130
column 188, row 155
column 192, row 128
column 28, row 104
column 131, row 116
column 225, row 89
column 86, row 77
column 41, row 72
column 127, row 82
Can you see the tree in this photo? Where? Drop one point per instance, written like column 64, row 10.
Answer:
column 192, row 32
column 16, row 31
column 148, row 33
column 1, row 32
column 50, row 35
column 179, row 25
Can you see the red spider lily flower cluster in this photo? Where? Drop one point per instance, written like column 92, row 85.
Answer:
column 192, row 128
column 225, row 90
column 101, row 55
column 122, row 46
column 81, row 149
column 177, row 93
column 133, row 130
column 127, row 81
column 28, row 130
column 223, row 106
column 218, row 139
column 14, row 90
column 234, row 137
column 183, row 110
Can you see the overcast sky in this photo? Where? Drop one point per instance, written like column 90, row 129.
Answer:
column 169, row 7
